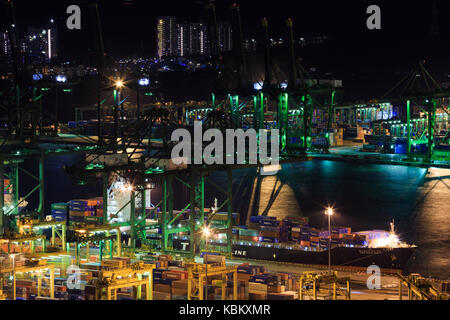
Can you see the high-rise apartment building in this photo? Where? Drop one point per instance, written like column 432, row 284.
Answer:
column 186, row 39
column 5, row 46
column 166, row 30
column 225, row 36
column 41, row 42
column 199, row 39
column 183, row 39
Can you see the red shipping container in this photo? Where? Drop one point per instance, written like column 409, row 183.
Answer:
column 98, row 201
column 61, row 288
column 91, row 202
column 25, row 283
column 175, row 275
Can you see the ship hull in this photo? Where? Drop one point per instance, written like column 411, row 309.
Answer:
column 385, row 258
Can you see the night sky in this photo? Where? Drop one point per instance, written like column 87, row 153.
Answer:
column 127, row 25
column 362, row 58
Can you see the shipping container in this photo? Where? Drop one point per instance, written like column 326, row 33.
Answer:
column 248, row 232
column 272, row 223
column 267, row 279
column 269, row 240
column 63, row 206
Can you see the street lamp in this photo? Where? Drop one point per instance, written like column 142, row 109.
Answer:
column 13, row 257
column 206, row 233
column 142, row 82
column 118, row 84
column 329, row 212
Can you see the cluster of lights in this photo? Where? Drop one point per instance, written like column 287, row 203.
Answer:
column 380, row 105
column 257, row 86
column 202, row 110
column 127, row 188
column 390, row 242
column 144, row 82
column 61, row 78
column 43, row 227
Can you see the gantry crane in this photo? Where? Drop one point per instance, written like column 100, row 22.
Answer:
column 87, row 234
column 312, row 282
column 33, row 226
column 198, row 273
column 426, row 95
column 136, row 275
column 419, row 288
column 12, row 238
column 33, row 267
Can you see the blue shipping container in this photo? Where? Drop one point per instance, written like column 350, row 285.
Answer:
column 270, row 223
column 246, row 270
column 314, row 233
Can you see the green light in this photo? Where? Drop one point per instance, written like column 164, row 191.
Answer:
column 154, row 170
column 149, row 94
column 93, row 166
column 67, row 90
column 45, row 89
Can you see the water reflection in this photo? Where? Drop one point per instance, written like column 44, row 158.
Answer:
column 365, row 197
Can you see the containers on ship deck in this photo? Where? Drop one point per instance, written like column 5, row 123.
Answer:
column 59, row 211
column 248, row 234
column 295, row 229
column 296, row 220
column 314, row 233
column 272, row 232
column 257, row 219
column 86, row 210
column 223, row 216
column 304, row 243
column 269, row 240
column 270, row 223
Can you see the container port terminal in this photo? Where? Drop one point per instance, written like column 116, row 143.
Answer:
column 122, row 245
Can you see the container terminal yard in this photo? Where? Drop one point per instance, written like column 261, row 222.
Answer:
column 152, row 233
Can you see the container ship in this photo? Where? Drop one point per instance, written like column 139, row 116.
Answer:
column 293, row 240
column 290, row 239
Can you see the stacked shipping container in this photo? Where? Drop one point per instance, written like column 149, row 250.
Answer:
column 294, row 230
column 88, row 211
